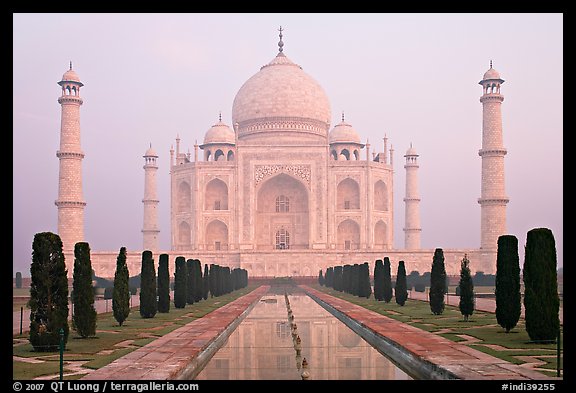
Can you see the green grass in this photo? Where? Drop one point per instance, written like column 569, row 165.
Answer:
column 110, row 334
column 23, row 370
column 481, row 325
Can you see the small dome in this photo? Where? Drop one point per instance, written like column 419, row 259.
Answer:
column 411, row 151
column 343, row 133
column 71, row 76
column 491, row 74
column 219, row 133
column 150, row 152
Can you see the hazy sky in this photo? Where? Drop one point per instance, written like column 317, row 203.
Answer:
column 414, row 77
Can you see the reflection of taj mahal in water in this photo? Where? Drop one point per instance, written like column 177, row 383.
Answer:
column 261, row 348
column 280, row 192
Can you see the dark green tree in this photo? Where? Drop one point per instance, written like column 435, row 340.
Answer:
column 320, row 278
column 355, row 279
column 387, row 281
column 347, row 278
column 48, row 293
column 84, row 316
column 198, row 282
column 18, row 280
column 213, row 280
column 190, row 272
column 121, row 291
column 337, row 278
column 148, row 294
column 205, row 282
column 541, row 302
column 437, row 283
column 400, row 289
column 466, row 286
column 508, row 298
column 379, row 280
column 180, row 287
column 163, row 284
column 364, row 287
column 329, row 277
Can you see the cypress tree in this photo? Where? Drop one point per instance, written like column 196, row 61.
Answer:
column 365, row 290
column 320, row 278
column 205, row 282
column 48, row 293
column 387, row 282
column 379, row 280
column 337, row 278
column 121, row 291
column 437, row 282
column 190, row 273
column 346, row 278
column 197, row 277
column 18, row 280
column 329, row 277
column 401, row 288
column 508, row 298
column 180, row 286
column 148, row 299
column 541, row 302
column 84, row 317
column 466, row 286
column 213, row 280
column 355, row 279
column 163, row 284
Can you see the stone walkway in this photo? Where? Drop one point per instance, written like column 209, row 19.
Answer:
column 459, row 359
column 482, row 304
column 168, row 356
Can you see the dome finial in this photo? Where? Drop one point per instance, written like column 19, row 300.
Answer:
column 70, row 64
column 220, row 116
column 342, row 116
column 280, row 43
column 490, row 63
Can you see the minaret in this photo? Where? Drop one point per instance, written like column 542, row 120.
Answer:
column 412, row 227
column 70, row 200
column 150, row 228
column 492, row 199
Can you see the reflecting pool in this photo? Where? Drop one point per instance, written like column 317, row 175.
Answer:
column 265, row 346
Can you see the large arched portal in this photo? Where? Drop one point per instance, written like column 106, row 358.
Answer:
column 282, row 208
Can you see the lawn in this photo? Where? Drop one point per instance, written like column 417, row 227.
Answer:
column 112, row 341
column 482, row 328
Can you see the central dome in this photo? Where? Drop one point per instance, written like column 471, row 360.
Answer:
column 281, row 99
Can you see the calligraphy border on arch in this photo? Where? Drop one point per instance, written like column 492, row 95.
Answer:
column 303, row 172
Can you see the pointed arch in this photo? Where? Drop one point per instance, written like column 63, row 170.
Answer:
column 380, row 196
column 184, row 234
column 216, row 195
column 380, row 235
column 348, row 195
column 184, row 198
column 348, row 235
column 216, row 236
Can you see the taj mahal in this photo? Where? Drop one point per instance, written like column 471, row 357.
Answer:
column 279, row 191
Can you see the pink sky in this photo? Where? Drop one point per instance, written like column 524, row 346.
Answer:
column 414, row 77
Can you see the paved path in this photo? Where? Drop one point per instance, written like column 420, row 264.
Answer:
column 166, row 357
column 482, row 304
column 459, row 359
column 101, row 306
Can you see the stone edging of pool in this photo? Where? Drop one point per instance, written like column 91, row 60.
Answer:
column 182, row 353
column 421, row 354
